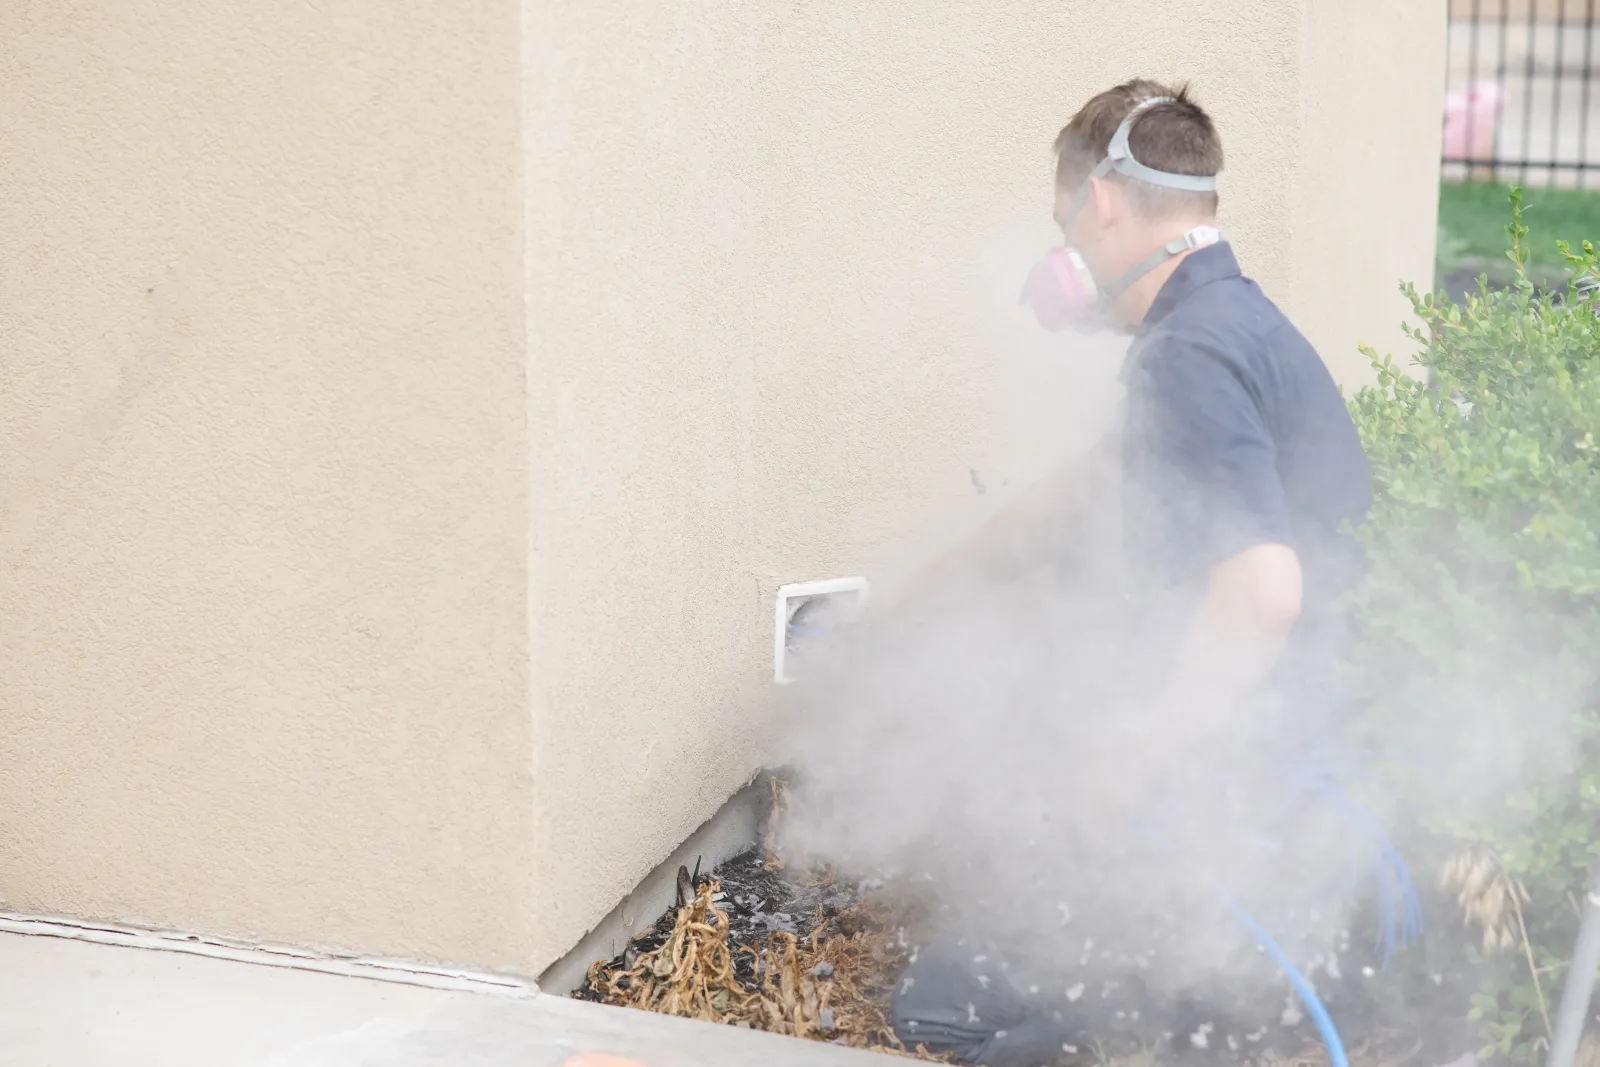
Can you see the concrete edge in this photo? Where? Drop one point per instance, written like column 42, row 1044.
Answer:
column 658, row 1038
column 730, row 831
column 403, row 972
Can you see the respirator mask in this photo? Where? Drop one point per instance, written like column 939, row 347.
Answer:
column 1062, row 290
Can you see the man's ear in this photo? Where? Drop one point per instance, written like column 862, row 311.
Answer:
column 1104, row 202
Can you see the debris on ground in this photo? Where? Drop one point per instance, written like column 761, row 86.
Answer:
column 805, row 956
column 766, row 942
column 816, row 956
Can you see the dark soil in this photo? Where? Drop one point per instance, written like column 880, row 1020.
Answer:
column 1108, row 1008
column 1411, row 1013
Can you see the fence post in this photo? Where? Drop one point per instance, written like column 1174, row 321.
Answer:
column 1578, row 989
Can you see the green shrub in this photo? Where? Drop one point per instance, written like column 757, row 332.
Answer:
column 1479, row 649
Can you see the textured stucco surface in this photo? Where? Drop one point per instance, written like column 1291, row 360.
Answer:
column 771, row 321
column 262, row 471
column 1364, row 200
column 407, row 413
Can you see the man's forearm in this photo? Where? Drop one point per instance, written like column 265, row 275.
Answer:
column 1232, row 643
column 1221, row 660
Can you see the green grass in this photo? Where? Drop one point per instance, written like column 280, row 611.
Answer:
column 1473, row 218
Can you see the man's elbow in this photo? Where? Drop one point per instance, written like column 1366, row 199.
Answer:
column 1266, row 587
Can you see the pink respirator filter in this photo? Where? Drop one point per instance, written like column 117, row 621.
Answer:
column 1060, row 289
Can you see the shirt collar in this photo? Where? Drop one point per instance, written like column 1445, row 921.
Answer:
column 1201, row 267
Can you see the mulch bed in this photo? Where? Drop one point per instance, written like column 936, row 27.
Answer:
column 799, row 953
column 806, row 952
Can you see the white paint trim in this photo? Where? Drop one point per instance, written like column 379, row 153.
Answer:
column 404, row 972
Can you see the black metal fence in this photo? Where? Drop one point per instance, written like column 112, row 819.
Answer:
column 1520, row 77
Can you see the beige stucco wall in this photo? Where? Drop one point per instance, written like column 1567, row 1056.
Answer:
column 262, row 471
column 409, row 412
column 1364, row 193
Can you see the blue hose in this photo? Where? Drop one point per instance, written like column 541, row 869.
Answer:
column 1302, row 984
column 1399, row 904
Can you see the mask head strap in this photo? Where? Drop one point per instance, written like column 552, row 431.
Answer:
column 1199, row 237
column 1119, row 158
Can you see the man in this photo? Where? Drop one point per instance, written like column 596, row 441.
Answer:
column 1240, row 470
column 1241, row 465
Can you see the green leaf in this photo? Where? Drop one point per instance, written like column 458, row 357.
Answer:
column 1479, row 617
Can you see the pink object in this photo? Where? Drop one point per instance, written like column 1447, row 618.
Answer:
column 1469, row 121
column 1060, row 289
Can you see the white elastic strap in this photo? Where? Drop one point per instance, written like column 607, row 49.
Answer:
column 1198, row 237
column 1119, row 158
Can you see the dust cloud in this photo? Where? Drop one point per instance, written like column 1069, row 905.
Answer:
column 954, row 741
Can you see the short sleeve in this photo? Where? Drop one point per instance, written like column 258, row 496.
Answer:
column 1212, row 488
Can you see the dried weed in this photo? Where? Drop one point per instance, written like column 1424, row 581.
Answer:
column 832, row 985
column 1487, row 896
column 773, row 859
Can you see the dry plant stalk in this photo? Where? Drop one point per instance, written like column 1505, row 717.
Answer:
column 1487, row 896
column 1308, row 1057
column 1588, row 1052
column 771, row 858
column 1372, row 1052
column 691, row 974
column 1493, row 899
column 853, row 973
column 801, row 984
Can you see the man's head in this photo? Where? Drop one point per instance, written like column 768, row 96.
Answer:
column 1119, row 220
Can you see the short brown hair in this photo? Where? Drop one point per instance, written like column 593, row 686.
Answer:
column 1177, row 137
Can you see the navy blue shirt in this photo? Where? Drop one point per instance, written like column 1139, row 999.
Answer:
column 1237, row 436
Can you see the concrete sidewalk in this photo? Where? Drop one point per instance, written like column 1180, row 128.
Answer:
column 67, row 1003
